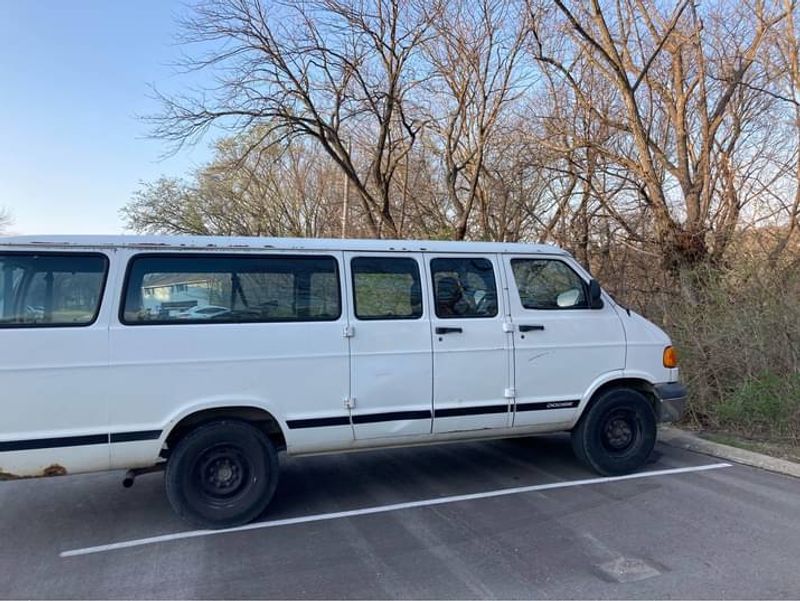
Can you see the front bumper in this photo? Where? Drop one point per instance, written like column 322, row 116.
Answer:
column 671, row 401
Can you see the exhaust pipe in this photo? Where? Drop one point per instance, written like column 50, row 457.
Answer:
column 130, row 475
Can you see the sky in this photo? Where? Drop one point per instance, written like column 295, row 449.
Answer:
column 75, row 78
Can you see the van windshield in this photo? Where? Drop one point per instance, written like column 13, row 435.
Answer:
column 44, row 289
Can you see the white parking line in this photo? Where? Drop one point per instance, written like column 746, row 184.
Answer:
column 385, row 508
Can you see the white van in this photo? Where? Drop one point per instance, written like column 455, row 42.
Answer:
column 207, row 356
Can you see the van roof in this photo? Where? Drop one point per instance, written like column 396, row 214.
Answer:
column 251, row 243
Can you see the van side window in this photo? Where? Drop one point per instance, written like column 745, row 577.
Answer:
column 50, row 289
column 464, row 287
column 216, row 289
column 548, row 284
column 386, row 288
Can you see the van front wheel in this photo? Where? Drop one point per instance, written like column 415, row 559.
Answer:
column 222, row 474
column 617, row 434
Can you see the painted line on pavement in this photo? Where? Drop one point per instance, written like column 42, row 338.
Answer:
column 385, row 509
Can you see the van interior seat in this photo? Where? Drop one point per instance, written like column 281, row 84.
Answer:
column 448, row 295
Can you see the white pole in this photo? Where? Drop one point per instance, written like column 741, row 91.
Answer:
column 346, row 200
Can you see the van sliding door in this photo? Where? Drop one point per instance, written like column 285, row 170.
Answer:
column 471, row 349
column 390, row 345
column 54, row 362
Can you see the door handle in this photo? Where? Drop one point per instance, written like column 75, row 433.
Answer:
column 449, row 330
column 531, row 327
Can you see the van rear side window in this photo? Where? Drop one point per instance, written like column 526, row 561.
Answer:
column 50, row 290
column 233, row 289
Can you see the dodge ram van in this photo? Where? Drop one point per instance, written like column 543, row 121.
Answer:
column 206, row 357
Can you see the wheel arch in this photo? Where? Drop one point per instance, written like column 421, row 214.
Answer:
column 257, row 416
column 637, row 382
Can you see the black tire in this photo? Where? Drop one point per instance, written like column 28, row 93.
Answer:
column 617, row 434
column 222, row 474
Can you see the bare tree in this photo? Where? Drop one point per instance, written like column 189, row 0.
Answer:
column 787, row 74
column 650, row 127
column 277, row 190
column 165, row 206
column 478, row 73
column 334, row 71
column 679, row 89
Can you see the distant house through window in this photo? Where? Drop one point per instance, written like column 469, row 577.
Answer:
column 171, row 293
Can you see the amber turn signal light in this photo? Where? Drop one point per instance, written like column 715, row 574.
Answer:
column 670, row 357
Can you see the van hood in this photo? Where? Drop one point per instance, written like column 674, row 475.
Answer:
column 639, row 329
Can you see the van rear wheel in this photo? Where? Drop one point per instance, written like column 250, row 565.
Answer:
column 617, row 434
column 222, row 474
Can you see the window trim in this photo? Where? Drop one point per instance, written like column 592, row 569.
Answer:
column 463, row 257
column 195, row 255
column 584, row 285
column 382, row 317
column 62, row 254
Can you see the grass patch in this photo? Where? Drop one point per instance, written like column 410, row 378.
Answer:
column 766, row 405
column 779, row 449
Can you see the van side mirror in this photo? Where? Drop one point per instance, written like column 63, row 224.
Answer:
column 595, row 297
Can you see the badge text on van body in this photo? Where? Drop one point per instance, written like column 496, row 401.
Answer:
column 560, row 404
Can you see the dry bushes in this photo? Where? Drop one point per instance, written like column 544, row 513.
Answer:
column 739, row 343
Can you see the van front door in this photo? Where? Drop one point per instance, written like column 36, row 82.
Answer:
column 390, row 346
column 561, row 345
column 471, row 350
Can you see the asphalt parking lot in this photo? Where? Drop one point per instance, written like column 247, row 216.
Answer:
column 673, row 531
